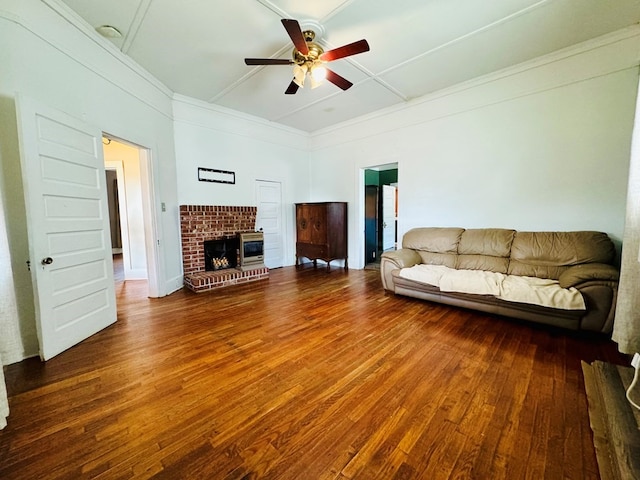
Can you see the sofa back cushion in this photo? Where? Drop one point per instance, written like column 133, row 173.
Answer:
column 485, row 249
column 435, row 245
column 548, row 254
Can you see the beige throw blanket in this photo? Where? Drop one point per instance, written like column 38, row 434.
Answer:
column 512, row 288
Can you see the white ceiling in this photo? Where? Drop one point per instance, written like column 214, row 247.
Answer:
column 197, row 47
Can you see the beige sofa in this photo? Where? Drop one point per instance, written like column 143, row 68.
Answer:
column 524, row 275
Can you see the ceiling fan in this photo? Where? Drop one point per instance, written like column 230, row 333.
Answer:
column 309, row 58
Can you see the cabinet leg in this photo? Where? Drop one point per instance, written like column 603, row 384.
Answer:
column 346, row 264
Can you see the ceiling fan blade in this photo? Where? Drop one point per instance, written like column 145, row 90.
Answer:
column 337, row 80
column 295, row 33
column 267, row 61
column 291, row 89
column 345, row 51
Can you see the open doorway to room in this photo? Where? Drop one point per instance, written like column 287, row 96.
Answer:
column 113, row 202
column 381, row 212
column 129, row 188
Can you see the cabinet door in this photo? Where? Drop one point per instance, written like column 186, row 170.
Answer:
column 303, row 223
column 319, row 224
column 337, row 229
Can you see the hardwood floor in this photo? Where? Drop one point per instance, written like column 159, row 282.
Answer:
column 308, row 375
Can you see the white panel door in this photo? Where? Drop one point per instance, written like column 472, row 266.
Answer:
column 269, row 219
column 68, row 226
column 388, row 217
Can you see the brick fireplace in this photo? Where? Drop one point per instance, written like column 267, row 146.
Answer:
column 204, row 222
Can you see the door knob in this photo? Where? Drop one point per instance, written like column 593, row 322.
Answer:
column 47, row 261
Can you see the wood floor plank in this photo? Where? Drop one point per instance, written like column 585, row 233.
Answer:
column 309, row 374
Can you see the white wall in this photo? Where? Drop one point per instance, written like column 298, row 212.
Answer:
column 44, row 56
column 221, row 139
column 544, row 146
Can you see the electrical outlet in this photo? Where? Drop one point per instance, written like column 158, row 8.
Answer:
column 635, row 362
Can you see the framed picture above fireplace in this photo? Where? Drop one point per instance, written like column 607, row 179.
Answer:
column 216, row 176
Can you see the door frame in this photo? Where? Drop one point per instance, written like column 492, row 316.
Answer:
column 359, row 204
column 149, row 214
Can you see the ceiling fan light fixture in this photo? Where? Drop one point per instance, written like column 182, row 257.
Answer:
column 314, row 82
column 318, row 73
column 299, row 72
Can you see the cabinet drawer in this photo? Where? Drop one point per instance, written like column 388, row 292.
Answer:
column 312, row 251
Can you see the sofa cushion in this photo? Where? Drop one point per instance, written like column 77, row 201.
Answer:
column 485, row 249
column 548, row 254
column 495, row 242
column 512, row 288
column 433, row 239
column 482, row 262
column 435, row 245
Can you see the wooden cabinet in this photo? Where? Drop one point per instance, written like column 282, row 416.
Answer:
column 321, row 232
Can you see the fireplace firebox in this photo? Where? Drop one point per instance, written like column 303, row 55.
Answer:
column 220, row 254
column 245, row 251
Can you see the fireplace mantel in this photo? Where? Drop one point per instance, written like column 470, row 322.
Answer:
column 208, row 222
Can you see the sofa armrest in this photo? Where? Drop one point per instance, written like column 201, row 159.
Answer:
column 403, row 258
column 394, row 260
column 588, row 272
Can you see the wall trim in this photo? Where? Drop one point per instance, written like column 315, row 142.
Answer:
column 174, row 284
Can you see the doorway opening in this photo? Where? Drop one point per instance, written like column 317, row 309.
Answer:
column 381, row 212
column 128, row 172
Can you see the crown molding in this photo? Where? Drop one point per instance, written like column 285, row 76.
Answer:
column 232, row 122
column 229, row 112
